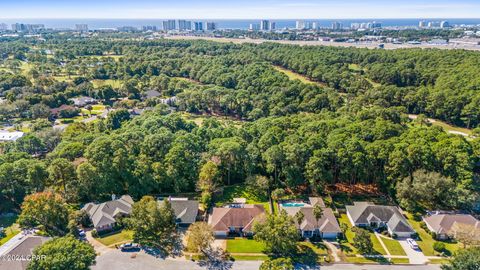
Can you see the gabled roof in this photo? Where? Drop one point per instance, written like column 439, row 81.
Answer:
column 105, row 213
column 186, row 211
column 443, row 223
column 151, row 94
column 222, row 219
column 366, row 212
column 327, row 223
column 316, row 200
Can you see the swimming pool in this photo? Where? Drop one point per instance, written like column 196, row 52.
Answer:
column 293, row 204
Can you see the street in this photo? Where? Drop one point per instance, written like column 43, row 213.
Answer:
column 115, row 259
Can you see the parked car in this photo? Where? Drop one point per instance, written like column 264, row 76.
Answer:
column 412, row 243
column 82, row 233
column 129, row 246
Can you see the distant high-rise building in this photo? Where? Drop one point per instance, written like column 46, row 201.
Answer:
column 210, row 26
column 197, row 26
column 254, row 27
column 20, row 27
column 264, row 25
column 149, row 28
column 337, row 26
column 184, row 25
column 273, row 26
column 422, row 24
column 81, row 27
column 315, row 25
column 444, row 24
column 169, row 25
column 300, row 25
column 3, row 27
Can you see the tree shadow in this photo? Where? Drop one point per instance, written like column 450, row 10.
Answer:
column 173, row 250
column 215, row 259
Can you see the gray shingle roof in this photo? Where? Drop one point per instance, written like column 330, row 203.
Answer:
column 443, row 223
column 105, row 213
column 186, row 211
column 366, row 212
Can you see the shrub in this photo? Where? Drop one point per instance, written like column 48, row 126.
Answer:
column 439, row 246
column 94, row 233
column 394, row 236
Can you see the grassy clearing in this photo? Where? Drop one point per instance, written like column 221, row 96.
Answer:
column 449, row 128
column 244, row 245
column 116, row 238
column 426, row 241
column 112, row 83
column 199, row 119
column 295, row 76
column 393, row 246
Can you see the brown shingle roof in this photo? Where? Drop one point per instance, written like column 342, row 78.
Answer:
column 222, row 219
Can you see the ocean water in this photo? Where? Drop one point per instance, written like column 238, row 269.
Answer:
column 225, row 24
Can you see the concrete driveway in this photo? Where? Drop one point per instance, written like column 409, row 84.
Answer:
column 415, row 256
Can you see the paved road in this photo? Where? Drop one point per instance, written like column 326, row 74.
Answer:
column 415, row 256
column 115, row 259
column 14, row 241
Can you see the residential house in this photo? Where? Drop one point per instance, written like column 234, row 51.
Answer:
column 21, row 250
column 10, row 136
column 186, row 211
column 83, row 101
column 151, row 94
column 444, row 225
column 236, row 218
column 367, row 214
column 326, row 227
column 104, row 215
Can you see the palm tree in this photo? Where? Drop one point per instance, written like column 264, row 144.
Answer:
column 317, row 213
column 299, row 217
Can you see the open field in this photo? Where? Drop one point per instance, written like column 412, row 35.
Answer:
column 447, row 127
column 112, row 83
column 295, row 76
column 116, row 238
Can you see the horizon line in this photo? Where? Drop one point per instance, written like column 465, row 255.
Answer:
column 187, row 18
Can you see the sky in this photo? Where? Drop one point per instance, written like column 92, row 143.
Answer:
column 239, row 9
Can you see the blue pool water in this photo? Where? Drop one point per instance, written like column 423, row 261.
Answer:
column 293, row 204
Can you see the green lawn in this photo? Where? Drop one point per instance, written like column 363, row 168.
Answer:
column 426, row 241
column 116, row 238
column 348, row 248
column 318, row 248
column 241, row 191
column 439, row 261
column 400, row 260
column 244, row 245
column 250, row 258
column 11, row 228
column 393, row 246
